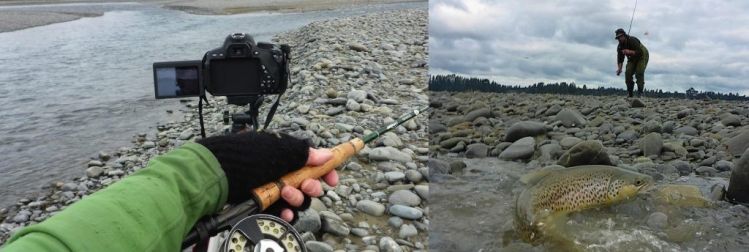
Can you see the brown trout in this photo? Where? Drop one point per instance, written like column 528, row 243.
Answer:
column 556, row 191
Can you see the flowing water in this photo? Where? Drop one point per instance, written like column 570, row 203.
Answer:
column 72, row 89
column 482, row 218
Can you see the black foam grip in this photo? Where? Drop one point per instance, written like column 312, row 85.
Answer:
column 255, row 158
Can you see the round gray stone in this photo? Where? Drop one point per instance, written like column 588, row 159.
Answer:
column 370, row 207
column 523, row 129
column 406, row 212
column 404, row 197
column 316, row 246
column 520, row 149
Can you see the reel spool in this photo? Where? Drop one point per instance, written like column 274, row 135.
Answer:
column 263, row 233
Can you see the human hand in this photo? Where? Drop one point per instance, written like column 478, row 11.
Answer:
column 618, row 71
column 309, row 187
column 628, row 52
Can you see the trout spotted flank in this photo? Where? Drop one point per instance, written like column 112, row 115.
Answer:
column 555, row 192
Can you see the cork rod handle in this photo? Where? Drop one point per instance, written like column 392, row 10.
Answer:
column 269, row 193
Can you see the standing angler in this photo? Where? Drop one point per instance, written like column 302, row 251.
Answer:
column 637, row 60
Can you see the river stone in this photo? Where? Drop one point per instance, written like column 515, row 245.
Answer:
column 589, row 152
column 387, row 244
column 651, row 144
column 394, row 176
column 738, row 185
column 553, row 110
column 185, row 135
column 21, row 217
column 334, row 111
column 729, row 119
column 422, row 191
column 437, row 166
column 682, row 166
column 738, row 144
column 724, row 165
column 524, row 129
column 333, row 224
column 316, row 246
column 520, row 149
column 94, row 171
column 570, row 118
column 686, row 130
column 404, row 197
column 95, row 163
column 389, row 154
column 406, row 212
column 568, row 142
column 477, row 150
column 627, row 136
column 407, row 230
column 357, row 95
column 370, row 207
column 550, row 151
column 637, row 103
column 481, row 112
column 352, row 105
column 658, row 220
column 308, row 220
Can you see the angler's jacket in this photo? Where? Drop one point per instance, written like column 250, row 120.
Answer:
column 632, row 43
column 151, row 210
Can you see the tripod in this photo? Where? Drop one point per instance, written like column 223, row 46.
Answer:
column 240, row 122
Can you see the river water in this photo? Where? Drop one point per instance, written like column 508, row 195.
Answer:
column 474, row 210
column 72, row 89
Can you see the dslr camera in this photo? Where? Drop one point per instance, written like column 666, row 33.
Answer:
column 239, row 68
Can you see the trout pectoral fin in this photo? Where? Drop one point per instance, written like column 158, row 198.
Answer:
column 681, row 195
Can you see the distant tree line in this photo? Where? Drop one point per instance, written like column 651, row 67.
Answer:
column 455, row 83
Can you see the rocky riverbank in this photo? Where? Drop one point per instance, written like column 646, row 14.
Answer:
column 350, row 76
column 490, row 138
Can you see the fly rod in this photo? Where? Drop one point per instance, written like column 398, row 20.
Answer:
column 266, row 195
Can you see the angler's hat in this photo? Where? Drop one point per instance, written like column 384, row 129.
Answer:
column 619, row 32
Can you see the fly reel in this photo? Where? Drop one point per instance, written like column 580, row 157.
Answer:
column 263, row 233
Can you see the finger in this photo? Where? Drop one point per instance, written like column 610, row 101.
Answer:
column 293, row 196
column 331, row 178
column 287, row 215
column 312, row 187
column 318, row 156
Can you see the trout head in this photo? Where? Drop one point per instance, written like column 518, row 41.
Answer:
column 626, row 184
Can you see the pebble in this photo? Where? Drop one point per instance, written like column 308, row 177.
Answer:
column 316, row 246
column 407, row 230
column 520, row 149
column 404, row 197
column 657, row 220
column 406, row 212
column 370, row 207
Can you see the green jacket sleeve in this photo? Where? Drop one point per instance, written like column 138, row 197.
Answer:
column 150, row 210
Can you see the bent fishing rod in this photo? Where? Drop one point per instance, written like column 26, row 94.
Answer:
column 264, row 196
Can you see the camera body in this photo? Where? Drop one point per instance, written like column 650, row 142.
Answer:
column 239, row 68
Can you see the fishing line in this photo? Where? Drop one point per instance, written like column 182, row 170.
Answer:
column 633, row 18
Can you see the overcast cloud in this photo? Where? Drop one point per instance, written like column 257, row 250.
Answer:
column 700, row 44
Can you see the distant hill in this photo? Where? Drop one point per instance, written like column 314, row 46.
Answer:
column 455, row 83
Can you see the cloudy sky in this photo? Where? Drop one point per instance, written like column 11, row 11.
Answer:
column 692, row 43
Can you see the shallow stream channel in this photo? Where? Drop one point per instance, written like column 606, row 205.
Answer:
column 474, row 209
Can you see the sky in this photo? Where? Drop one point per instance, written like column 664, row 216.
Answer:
column 692, row 43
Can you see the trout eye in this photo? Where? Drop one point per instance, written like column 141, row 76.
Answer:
column 638, row 182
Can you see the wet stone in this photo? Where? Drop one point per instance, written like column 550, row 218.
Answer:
column 316, row 246
column 370, row 207
column 404, row 197
column 406, row 212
